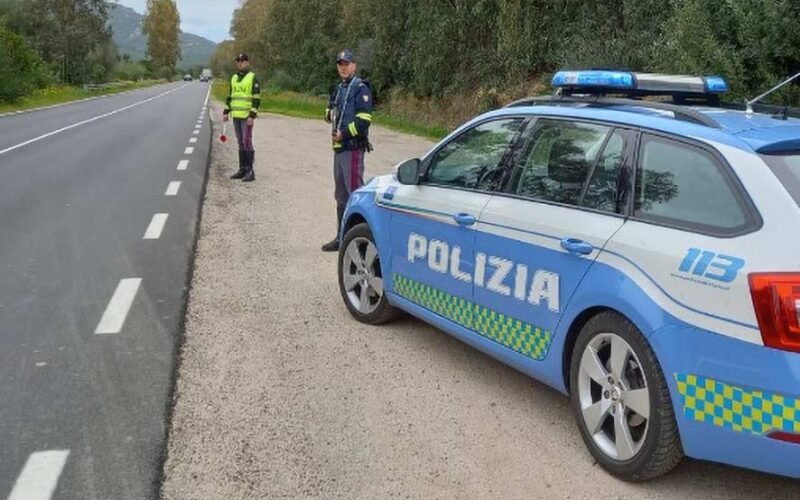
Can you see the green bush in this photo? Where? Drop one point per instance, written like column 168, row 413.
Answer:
column 21, row 70
column 490, row 51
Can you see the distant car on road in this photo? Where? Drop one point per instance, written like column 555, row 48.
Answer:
column 187, row 78
column 636, row 255
column 204, row 78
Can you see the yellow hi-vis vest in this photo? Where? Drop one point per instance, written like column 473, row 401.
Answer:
column 242, row 95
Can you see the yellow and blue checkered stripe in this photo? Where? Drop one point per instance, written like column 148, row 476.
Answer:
column 521, row 337
column 737, row 409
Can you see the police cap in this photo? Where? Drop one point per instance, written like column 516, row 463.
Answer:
column 345, row 55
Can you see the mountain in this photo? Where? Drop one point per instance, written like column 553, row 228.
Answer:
column 127, row 26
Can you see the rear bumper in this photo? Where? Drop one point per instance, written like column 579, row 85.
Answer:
column 729, row 396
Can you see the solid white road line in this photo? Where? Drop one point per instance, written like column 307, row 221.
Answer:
column 118, row 307
column 39, row 477
column 208, row 94
column 84, row 122
column 156, row 227
column 188, row 151
column 192, row 140
column 183, row 164
column 173, row 188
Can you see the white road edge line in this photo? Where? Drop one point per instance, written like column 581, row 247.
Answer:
column 208, row 94
column 39, row 476
column 183, row 164
column 156, row 227
column 192, row 140
column 173, row 188
column 188, row 151
column 90, row 120
column 118, row 307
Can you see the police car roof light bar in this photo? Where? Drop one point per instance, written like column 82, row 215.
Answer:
column 680, row 112
column 630, row 84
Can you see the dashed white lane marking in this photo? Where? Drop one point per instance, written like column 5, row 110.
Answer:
column 118, row 307
column 84, row 122
column 196, row 132
column 156, row 227
column 183, row 164
column 192, row 140
column 188, row 151
column 39, row 476
column 173, row 188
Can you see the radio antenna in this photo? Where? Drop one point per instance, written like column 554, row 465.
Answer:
column 749, row 104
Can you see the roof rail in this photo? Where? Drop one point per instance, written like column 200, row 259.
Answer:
column 680, row 112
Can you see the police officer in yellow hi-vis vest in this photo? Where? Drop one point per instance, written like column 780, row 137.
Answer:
column 242, row 104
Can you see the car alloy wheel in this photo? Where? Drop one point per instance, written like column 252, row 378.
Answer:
column 614, row 397
column 361, row 275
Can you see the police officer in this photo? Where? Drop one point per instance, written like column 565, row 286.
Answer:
column 350, row 113
column 242, row 104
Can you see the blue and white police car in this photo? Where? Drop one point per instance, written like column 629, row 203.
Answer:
column 641, row 256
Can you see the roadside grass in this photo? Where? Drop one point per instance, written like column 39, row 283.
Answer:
column 299, row 105
column 63, row 94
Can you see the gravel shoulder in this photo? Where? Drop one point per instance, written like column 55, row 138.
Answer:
column 281, row 394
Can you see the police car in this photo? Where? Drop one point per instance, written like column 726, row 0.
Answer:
column 640, row 255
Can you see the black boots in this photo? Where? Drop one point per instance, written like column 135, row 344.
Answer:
column 246, row 160
column 242, row 163
column 333, row 245
column 249, row 174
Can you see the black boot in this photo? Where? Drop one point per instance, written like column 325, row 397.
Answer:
column 242, row 163
column 333, row 245
column 249, row 174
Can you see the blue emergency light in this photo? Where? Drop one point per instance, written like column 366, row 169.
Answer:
column 627, row 82
column 622, row 80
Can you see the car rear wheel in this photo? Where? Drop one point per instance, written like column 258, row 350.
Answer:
column 621, row 400
column 361, row 278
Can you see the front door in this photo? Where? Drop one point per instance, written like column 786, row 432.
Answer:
column 433, row 224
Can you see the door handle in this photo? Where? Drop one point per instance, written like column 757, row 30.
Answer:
column 576, row 246
column 464, row 219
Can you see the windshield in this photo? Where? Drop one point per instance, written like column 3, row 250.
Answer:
column 787, row 169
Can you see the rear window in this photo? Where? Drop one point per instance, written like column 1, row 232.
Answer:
column 787, row 169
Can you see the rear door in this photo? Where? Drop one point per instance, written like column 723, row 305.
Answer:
column 536, row 241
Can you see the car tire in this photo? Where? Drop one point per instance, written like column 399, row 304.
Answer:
column 361, row 278
column 621, row 400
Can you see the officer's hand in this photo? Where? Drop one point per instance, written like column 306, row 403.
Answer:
column 250, row 122
column 225, row 117
column 337, row 136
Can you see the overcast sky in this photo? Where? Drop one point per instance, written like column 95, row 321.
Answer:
column 207, row 18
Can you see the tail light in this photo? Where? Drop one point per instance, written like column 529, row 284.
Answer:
column 776, row 297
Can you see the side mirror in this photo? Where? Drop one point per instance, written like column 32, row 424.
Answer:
column 408, row 172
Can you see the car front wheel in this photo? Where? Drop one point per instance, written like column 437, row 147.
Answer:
column 361, row 279
column 621, row 400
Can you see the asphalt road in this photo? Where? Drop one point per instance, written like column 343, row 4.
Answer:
column 85, row 380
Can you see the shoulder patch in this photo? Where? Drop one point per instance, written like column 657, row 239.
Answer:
column 366, row 98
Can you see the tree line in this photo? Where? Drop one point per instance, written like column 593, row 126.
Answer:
column 496, row 50
column 69, row 42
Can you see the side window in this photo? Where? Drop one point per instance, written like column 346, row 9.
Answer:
column 560, row 160
column 685, row 186
column 473, row 159
column 602, row 191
